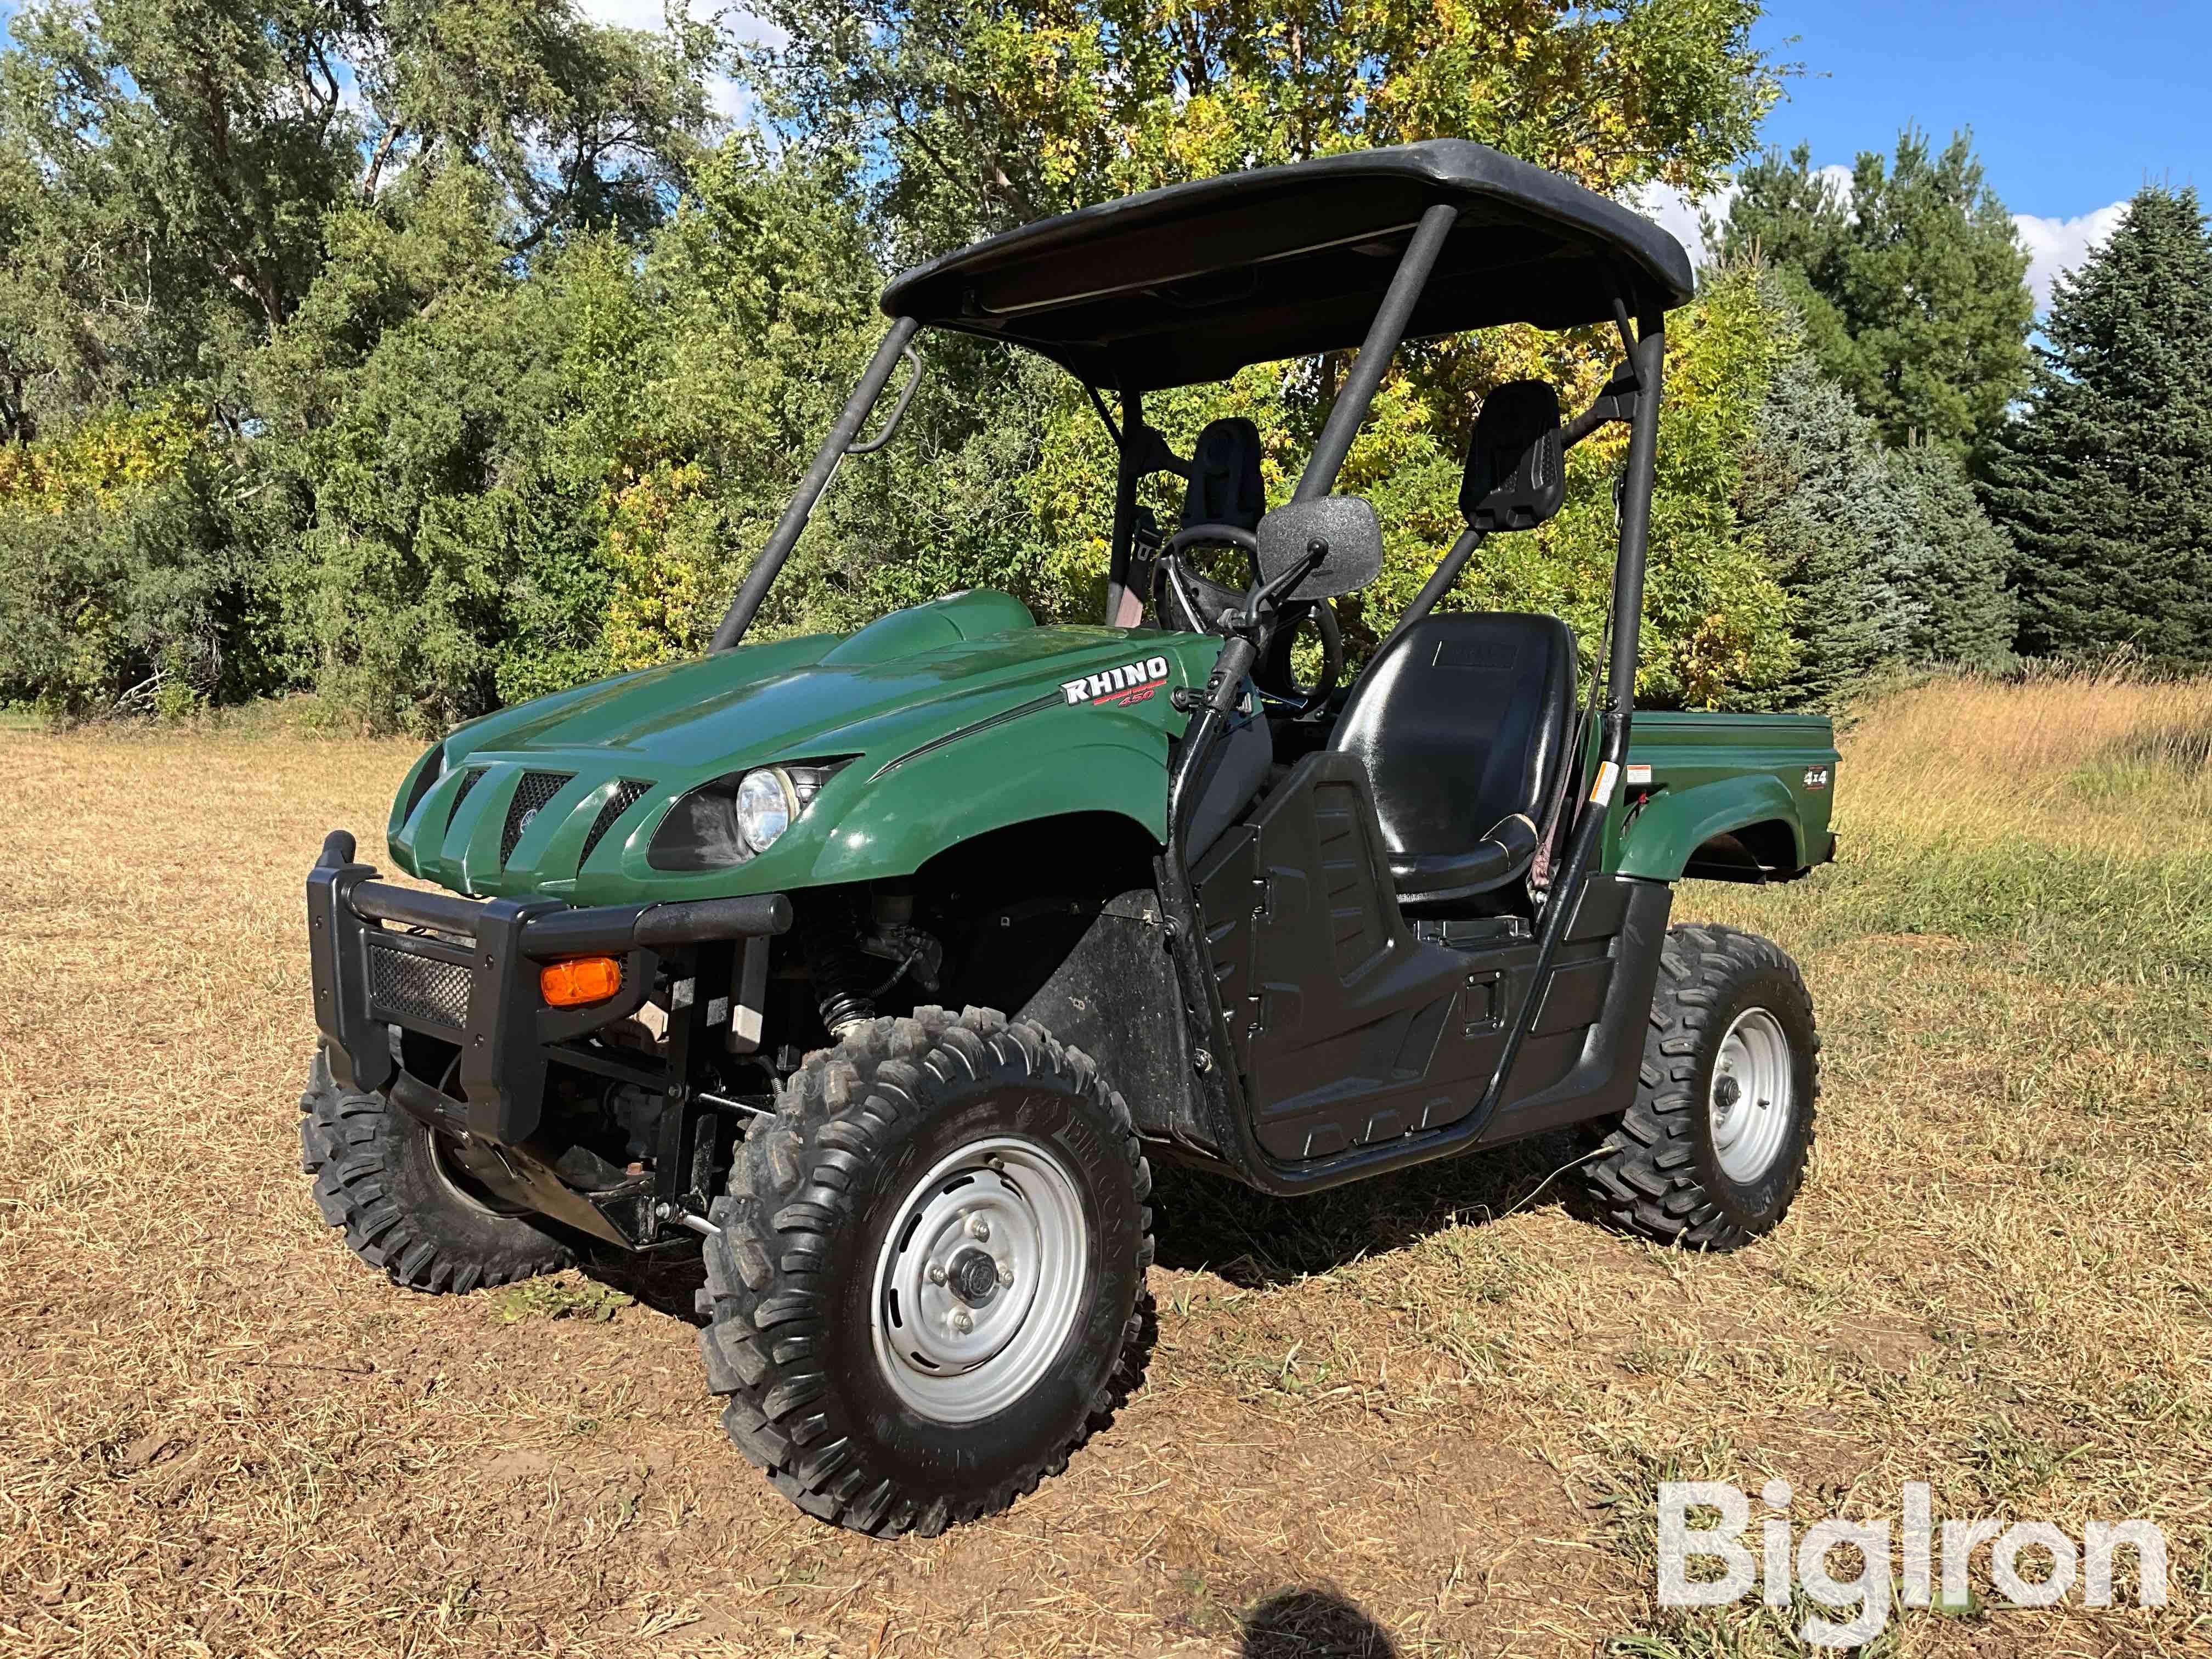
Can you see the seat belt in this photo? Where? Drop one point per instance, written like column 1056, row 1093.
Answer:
column 1540, row 867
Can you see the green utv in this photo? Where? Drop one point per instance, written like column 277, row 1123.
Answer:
column 878, row 967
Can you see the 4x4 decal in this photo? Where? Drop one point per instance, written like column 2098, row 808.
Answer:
column 1132, row 682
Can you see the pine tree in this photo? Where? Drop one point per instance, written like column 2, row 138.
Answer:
column 1912, row 282
column 1809, row 481
column 1971, row 615
column 1885, row 554
column 2106, row 482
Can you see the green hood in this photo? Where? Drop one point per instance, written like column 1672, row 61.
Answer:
column 952, row 718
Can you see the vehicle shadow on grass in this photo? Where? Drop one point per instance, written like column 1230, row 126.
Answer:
column 667, row 1284
column 1209, row 1222
column 1312, row 1624
column 1202, row 1221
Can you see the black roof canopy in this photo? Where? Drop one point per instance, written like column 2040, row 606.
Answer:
column 1193, row 282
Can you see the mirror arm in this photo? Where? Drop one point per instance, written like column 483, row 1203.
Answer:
column 1616, row 401
column 1604, row 412
column 1264, row 596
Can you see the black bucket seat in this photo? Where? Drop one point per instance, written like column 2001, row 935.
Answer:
column 1464, row 721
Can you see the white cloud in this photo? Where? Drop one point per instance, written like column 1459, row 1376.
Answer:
column 2056, row 247
column 738, row 24
column 724, row 96
column 1679, row 215
column 729, row 101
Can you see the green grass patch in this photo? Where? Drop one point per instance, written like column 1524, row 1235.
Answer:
column 564, row 1296
column 2070, row 914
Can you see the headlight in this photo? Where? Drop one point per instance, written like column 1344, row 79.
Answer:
column 767, row 803
column 738, row 816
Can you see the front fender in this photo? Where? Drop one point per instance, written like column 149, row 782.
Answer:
column 1657, row 843
column 930, row 803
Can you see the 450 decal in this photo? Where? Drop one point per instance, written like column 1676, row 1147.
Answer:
column 1132, row 682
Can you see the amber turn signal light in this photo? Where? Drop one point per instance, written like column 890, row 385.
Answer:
column 579, row 980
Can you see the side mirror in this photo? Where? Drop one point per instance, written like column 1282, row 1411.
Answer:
column 1516, row 461
column 1349, row 536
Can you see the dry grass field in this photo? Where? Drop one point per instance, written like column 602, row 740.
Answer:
column 1421, row 1416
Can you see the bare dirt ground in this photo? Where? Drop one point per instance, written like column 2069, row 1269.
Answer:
column 1423, row 1416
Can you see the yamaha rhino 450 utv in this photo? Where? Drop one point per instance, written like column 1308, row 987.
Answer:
column 876, row 967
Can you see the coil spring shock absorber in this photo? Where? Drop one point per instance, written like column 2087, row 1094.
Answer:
column 844, row 975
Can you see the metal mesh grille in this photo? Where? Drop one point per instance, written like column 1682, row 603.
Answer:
column 468, row 782
column 530, row 796
column 418, row 988
column 631, row 792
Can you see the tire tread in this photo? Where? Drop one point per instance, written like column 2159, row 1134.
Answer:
column 346, row 1145
column 789, row 1196
column 1645, row 1178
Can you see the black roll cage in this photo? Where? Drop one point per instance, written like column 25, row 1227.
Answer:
column 1632, row 395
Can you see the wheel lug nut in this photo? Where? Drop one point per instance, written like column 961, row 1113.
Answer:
column 979, row 1229
column 936, row 1273
column 962, row 1321
column 1006, row 1273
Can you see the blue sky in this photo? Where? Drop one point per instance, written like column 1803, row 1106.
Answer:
column 2074, row 104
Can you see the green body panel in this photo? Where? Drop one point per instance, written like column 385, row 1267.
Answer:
column 1712, row 773
column 955, row 720
column 953, row 716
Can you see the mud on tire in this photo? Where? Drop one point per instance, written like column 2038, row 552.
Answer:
column 792, row 1278
column 1659, row 1172
column 379, row 1180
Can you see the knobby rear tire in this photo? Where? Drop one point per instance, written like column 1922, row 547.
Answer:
column 379, row 1180
column 793, row 1274
column 1659, row 1172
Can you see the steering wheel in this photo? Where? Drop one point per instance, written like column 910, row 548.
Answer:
column 1194, row 602
column 1273, row 673
column 1197, row 603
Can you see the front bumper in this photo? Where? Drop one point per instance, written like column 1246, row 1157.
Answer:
column 466, row 971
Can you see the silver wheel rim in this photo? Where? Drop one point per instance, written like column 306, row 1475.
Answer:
column 981, row 1278
column 1752, row 1100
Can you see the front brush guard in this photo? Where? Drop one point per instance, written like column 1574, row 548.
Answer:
column 465, row 971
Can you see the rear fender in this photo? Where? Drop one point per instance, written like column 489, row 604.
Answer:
column 1660, row 840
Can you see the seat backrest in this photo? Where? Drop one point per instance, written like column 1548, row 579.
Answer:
column 1462, row 720
column 1224, row 477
